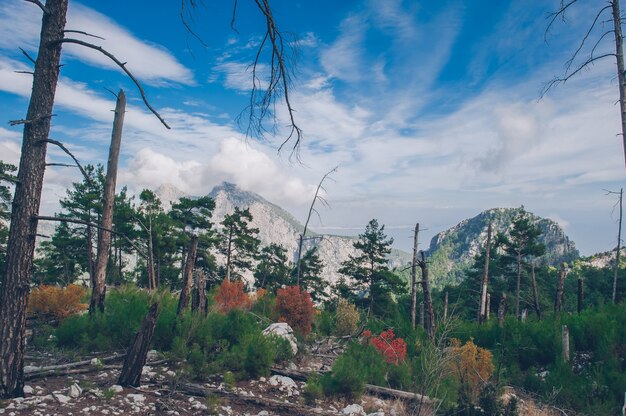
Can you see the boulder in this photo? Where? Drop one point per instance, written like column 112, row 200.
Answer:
column 283, row 330
column 353, row 410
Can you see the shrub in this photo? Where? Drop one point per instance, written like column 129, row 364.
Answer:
column 347, row 318
column 313, row 390
column 360, row 364
column 59, row 302
column 294, row 306
column 392, row 349
column 472, row 366
column 232, row 295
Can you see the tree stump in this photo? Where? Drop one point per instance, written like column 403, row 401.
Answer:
column 138, row 351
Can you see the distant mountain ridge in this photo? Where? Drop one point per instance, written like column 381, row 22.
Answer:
column 452, row 251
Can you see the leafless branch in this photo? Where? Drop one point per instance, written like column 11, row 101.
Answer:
column 561, row 80
column 232, row 21
column 27, row 55
column 83, row 33
column 555, row 15
column 121, row 65
column 91, row 224
column 31, row 121
column 183, row 18
column 65, row 149
column 39, row 4
column 24, row 72
column 63, row 165
column 569, row 63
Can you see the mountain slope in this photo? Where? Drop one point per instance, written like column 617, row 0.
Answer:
column 451, row 251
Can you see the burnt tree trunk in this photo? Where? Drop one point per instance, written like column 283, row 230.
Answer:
column 414, row 276
column 429, row 315
column 21, row 243
column 183, row 301
column 535, row 293
column 104, row 237
column 488, row 309
column 151, row 273
column 619, row 57
column 519, row 283
column 445, row 307
column 138, row 352
column 199, row 300
column 483, row 292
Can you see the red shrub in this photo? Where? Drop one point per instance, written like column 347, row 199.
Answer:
column 295, row 307
column 393, row 349
column 232, row 295
column 59, row 302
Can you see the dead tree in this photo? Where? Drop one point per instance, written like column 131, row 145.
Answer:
column 488, row 310
column 535, row 293
column 574, row 65
column 502, row 310
column 138, row 351
column 23, row 229
column 183, row 301
column 618, row 248
column 445, row 307
column 429, row 315
column 104, row 238
column 560, row 289
column 414, row 276
column 199, row 299
column 312, row 209
column 483, row 292
column 565, row 343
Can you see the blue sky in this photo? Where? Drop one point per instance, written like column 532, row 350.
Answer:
column 430, row 109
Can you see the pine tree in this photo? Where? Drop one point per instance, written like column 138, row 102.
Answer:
column 311, row 267
column 6, row 178
column 273, row 270
column 239, row 242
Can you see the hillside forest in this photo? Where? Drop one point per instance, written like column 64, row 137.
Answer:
column 126, row 303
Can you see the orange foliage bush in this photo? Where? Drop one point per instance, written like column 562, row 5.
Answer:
column 232, row 295
column 472, row 366
column 59, row 302
column 294, row 306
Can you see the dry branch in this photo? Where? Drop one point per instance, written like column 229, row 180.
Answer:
column 65, row 149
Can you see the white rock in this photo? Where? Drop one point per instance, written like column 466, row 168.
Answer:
column 137, row 398
column 285, row 384
column 75, row 391
column 61, row 398
column 353, row 410
column 263, row 413
column 283, row 330
column 28, row 390
column 377, row 414
column 96, row 362
column 152, row 355
column 116, row 388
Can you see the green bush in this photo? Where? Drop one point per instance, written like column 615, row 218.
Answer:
column 359, row 365
column 313, row 390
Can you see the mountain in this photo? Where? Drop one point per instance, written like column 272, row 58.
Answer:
column 452, row 251
column 278, row 226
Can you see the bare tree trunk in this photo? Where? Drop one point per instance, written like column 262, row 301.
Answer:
column 429, row 318
column 488, row 310
column 483, row 293
column 151, row 273
column 558, row 301
column 199, row 301
column 414, row 276
column 619, row 241
column 21, row 244
column 89, row 249
column 581, row 295
column 138, row 352
column 445, row 307
column 306, row 224
column 535, row 293
column 519, row 283
column 619, row 57
column 183, row 301
column 565, row 343
column 104, row 237
column 502, row 310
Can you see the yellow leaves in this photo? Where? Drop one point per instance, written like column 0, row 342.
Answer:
column 471, row 365
column 59, row 302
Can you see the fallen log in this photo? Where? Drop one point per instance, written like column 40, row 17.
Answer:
column 67, row 366
column 369, row 388
column 278, row 406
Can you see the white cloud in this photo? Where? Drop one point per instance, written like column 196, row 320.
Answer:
column 20, row 24
column 343, row 58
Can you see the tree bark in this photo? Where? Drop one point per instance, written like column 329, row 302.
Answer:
column 619, row 241
column 414, row 276
column 502, row 310
column 445, row 307
column 183, row 301
column 151, row 273
column 488, row 309
column 565, row 343
column 429, row 318
column 535, row 293
column 104, row 237
column 519, row 283
column 619, row 57
column 21, row 243
column 138, row 352
column 228, row 254
column 483, row 293
column 199, row 301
